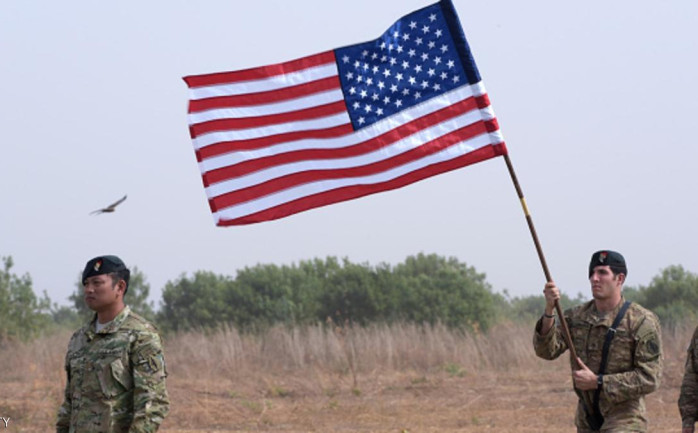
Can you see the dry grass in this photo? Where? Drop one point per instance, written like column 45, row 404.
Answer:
column 398, row 378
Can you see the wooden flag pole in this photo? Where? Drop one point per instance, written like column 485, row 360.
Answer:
column 529, row 220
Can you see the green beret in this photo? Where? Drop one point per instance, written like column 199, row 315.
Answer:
column 102, row 265
column 608, row 258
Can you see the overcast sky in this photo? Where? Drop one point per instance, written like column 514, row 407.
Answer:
column 596, row 101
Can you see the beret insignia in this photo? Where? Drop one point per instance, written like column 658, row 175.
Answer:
column 103, row 265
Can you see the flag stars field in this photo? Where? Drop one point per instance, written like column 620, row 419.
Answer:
column 401, row 47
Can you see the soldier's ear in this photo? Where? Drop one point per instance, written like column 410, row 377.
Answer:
column 121, row 287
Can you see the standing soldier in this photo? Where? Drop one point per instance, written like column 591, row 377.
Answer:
column 619, row 358
column 688, row 399
column 115, row 364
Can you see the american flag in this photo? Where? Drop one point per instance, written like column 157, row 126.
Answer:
column 281, row 139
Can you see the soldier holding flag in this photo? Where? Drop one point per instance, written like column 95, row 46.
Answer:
column 618, row 347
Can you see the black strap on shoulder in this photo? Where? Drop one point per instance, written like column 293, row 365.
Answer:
column 610, row 334
column 604, row 356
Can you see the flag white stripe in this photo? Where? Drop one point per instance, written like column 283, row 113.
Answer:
column 281, row 128
column 285, row 196
column 403, row 145
column 286, row 106
column 496, row 137
column 266, row 84
column 378, row 128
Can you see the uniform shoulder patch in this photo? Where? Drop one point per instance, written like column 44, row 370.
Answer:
column 653, row 346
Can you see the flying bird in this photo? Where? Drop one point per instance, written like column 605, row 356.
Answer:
column 110, row 208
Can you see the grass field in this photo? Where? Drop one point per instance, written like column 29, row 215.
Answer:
column 399, row 378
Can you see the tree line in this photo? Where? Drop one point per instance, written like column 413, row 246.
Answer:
column 424, row 289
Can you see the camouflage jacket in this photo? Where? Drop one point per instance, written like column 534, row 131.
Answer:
column 116, row 378
column 688, row 399
column 633, row 368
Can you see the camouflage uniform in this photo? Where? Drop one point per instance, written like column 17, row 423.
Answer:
column 688, row 399
column 633, row 367
column 116, row 378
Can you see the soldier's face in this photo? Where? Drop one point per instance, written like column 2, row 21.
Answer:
column 605, row 285
column 101, row 292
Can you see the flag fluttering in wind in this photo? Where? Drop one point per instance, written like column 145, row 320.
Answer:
column 281, row 139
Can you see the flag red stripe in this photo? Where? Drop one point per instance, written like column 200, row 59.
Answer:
column 288, row 181
column 356, row 191
column 260, row 98
column 272, row 119
column 261, row 142
column 383, row 140
column 261, row 72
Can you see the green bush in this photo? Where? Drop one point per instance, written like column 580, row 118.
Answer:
column 423, row 289
column 672, row 295
column 22, row 314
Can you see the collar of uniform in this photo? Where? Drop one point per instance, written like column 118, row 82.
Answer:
column 113, row 326
column 608, row 317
